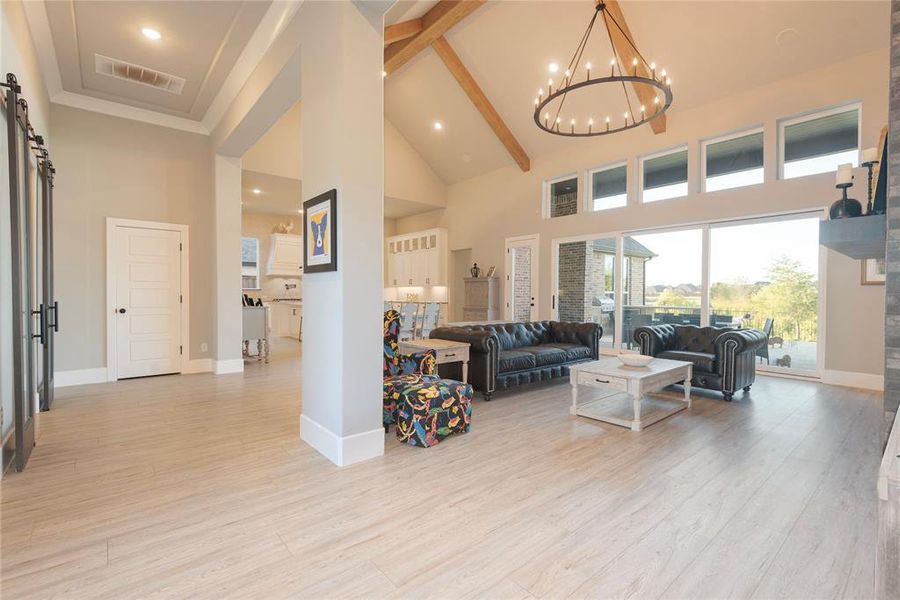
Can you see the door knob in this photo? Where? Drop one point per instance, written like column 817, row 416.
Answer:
column 121, row 311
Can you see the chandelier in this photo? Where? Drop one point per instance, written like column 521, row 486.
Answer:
column 548, row 109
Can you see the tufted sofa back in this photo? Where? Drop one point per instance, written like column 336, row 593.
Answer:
column 517, row 335
column 697, row 339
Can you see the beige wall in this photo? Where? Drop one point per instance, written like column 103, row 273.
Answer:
column 484, row 210
column 111, row 167
column 279, row 151
column 406, row 174
column 260, row 226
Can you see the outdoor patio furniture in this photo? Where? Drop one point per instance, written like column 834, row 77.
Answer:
column 763, row 351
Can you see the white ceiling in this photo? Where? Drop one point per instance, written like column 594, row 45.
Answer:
column 278, row 195
column 712, row 49
column 200, row 42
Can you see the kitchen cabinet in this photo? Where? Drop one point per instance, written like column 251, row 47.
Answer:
column 417, row 259
column 285, row 255
column 286, row 318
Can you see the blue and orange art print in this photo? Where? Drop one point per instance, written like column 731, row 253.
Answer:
column 320, row 249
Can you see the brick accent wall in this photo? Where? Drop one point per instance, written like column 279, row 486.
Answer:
column 564, row 204
column 636, row 288
column 572, row 264
column 892, row 287
column 521, row 284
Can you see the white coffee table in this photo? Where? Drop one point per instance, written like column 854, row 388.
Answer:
column 627, row 389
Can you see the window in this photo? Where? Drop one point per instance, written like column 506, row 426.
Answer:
column 819, row 143
column 249, row 263
column 608, row 187
column 733, row 161
column 561, row 196
column 664, row 176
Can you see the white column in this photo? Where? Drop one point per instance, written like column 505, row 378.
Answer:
column 227, row 212
column 343, row 149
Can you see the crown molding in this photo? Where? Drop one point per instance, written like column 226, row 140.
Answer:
column 124, row 111
column 270, row 27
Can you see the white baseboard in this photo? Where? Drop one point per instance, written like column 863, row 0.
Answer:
column 79, row 377
column 199, row 365
column 342, row 451
column 866, row 381
column 234, row 365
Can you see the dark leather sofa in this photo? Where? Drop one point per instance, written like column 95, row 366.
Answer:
column 724, row 358
column 508, row 354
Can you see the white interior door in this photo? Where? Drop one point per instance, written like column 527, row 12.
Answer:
column 147, row 316
column 522, row 278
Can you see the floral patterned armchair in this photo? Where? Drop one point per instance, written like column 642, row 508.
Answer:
column 402, row 371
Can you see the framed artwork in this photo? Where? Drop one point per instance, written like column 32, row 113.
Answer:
column 873, row 271
column 320, row 233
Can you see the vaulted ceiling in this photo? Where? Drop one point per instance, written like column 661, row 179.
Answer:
column 713, row 49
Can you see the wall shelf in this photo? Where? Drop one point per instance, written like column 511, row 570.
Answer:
column 857, row 237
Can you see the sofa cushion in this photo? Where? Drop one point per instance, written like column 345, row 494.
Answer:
column 515, row 360
column 697, row 339
column 703, row 361
column 546, row 355
column 573, row 351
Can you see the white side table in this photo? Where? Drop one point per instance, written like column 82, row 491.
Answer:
column 447, row 351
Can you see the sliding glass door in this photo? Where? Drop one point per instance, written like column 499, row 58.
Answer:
column 585, row 277
column 759, row 273
column 765, row 275
column 662, row 280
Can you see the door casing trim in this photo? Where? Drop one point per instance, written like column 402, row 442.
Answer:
column 111, row 350
column 535, row 239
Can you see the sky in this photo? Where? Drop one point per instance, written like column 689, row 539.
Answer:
column 737, row 252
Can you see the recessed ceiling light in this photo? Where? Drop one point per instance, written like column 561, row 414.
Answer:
column 151, row 34
column 554, row 67
column 438, row 126
column 257, row 191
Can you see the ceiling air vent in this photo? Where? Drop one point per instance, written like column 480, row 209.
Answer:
column 138, row 74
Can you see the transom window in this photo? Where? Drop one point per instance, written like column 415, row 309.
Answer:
column 561, row 196
column 665, row 175
column 733, row 161
column 609, row 187
column 820, row 142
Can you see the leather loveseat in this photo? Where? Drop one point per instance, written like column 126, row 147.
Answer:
column 508, row 354
column 724, row 358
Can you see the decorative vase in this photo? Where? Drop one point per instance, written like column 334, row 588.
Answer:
column 475, row 271
column 845, row 208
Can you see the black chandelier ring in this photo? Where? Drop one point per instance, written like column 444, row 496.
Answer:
column 556, row 128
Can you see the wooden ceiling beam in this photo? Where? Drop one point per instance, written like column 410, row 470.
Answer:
column 435, row 23
column 402, row 31
column 626, row 53
column 484, row 106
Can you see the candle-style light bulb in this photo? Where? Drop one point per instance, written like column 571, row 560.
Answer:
column 572, row 123
column 656, row 100
column 643, row 110
column 540, row 92
column 668, row 81
column 546, row 119
column 536, row 101
column 662, row 73
column 590, row 124
column 607, row 123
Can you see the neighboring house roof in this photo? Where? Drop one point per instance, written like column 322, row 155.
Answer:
column 632, row 248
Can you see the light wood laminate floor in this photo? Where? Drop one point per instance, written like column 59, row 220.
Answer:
column 198, row 486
